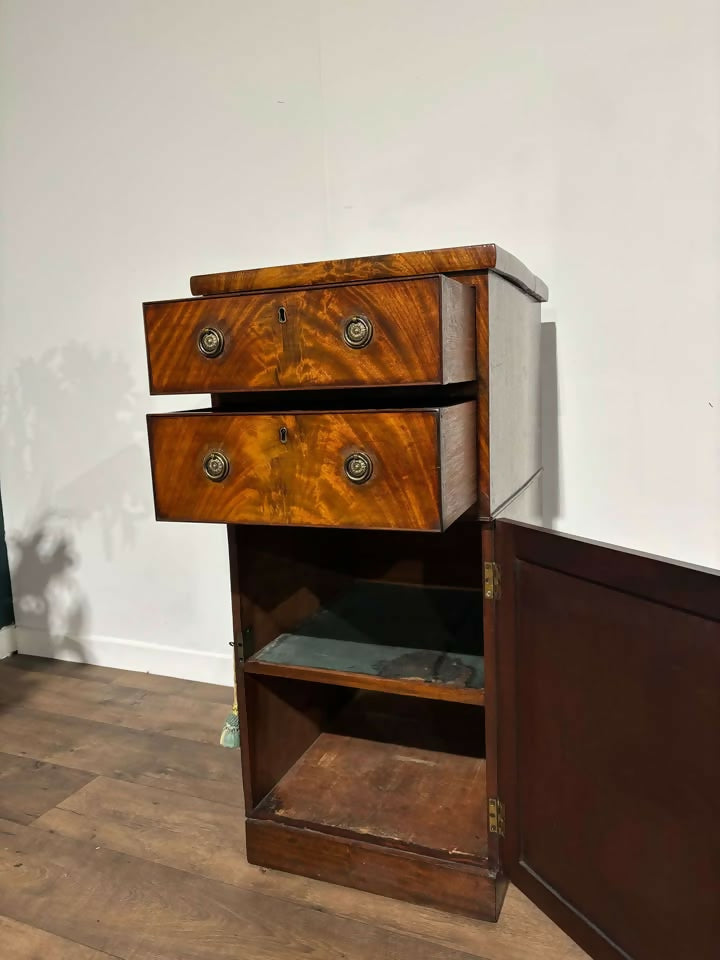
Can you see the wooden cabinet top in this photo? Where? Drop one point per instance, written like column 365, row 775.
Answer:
column 449, row 260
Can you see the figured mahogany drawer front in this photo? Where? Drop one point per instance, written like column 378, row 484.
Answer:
column 389, row 333
column 411, row 470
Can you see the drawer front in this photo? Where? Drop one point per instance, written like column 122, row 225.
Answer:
column 375, row 470
column 391, row 333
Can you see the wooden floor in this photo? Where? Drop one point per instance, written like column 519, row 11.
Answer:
column 121, row 835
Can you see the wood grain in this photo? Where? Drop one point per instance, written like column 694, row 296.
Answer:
column 119, row 904
column 138, row 680
column 416, row 483
column 401, row 874
column 172, row 763
column 125, row 706
column 354, row 805
column 423, row 332
column 22, row 942
column 202, row 837
column 279, row 720
column 29, row 787
column 198, row 836
column 422, row 262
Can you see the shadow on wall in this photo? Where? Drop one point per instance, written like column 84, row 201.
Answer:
column 48, row 599
column 549, row 414
column 70, row 412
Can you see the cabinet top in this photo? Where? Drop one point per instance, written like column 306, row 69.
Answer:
column 450, row 260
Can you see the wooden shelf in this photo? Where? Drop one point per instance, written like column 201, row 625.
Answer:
column 416, row 799
column 416, row 641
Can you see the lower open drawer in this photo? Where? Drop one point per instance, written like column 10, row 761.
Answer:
column 364, row 469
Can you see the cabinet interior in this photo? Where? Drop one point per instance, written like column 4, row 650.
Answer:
column 364, row 683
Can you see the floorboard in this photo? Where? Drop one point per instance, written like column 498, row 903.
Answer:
column 203, row 838
column 127, row 678
column 21, row 942
column 132, row 847
column 28, row 787
column 183, row 766
column 178, row 716
column 134, row 908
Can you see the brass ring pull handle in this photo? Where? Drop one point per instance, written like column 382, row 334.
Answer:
column 216, row 466
column 358, row 467
column 210, row 342
column 358, row 332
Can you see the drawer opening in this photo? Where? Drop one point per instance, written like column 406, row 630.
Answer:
column 415, row 396
column 398, row 612
column 397, row 771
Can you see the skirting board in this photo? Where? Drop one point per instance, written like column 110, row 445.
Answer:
column 8, row 641
column 136, row 655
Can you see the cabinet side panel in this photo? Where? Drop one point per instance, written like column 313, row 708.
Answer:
column 514, row 389
column 279, row 720
column 458, row 464
column 457, row 331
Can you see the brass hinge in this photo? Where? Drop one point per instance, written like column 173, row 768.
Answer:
column 496, row 816
column 491, row 576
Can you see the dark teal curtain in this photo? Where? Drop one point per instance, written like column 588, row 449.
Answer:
column 7, row 615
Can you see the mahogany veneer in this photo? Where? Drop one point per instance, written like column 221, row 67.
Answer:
column 422, row 332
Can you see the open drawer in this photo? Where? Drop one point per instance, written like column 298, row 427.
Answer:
column 401, row 469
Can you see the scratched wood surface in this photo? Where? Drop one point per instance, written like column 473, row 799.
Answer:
column 302, row 481
column 423, row 332
column 146, row 861
column 402, row 795
column 486, row 256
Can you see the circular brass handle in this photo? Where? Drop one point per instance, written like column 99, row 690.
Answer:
column 358, row 467
column 210, row 342
column 216, row 466
column 358, row 332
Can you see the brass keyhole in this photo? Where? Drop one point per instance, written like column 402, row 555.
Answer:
column 282, row 315
column 283, row 434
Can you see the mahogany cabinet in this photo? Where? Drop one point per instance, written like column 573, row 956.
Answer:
column 435, row 694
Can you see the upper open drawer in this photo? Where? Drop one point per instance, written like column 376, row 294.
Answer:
column 386, row 333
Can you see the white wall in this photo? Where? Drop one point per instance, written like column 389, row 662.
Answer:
column 145, row 141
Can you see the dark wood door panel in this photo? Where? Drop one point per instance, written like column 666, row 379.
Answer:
column 294, row 468
column 609, row 671
column 418, row 331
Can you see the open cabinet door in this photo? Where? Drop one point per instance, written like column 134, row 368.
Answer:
column 609, row 749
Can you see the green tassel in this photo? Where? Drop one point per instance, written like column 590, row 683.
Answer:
column 230, row 736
